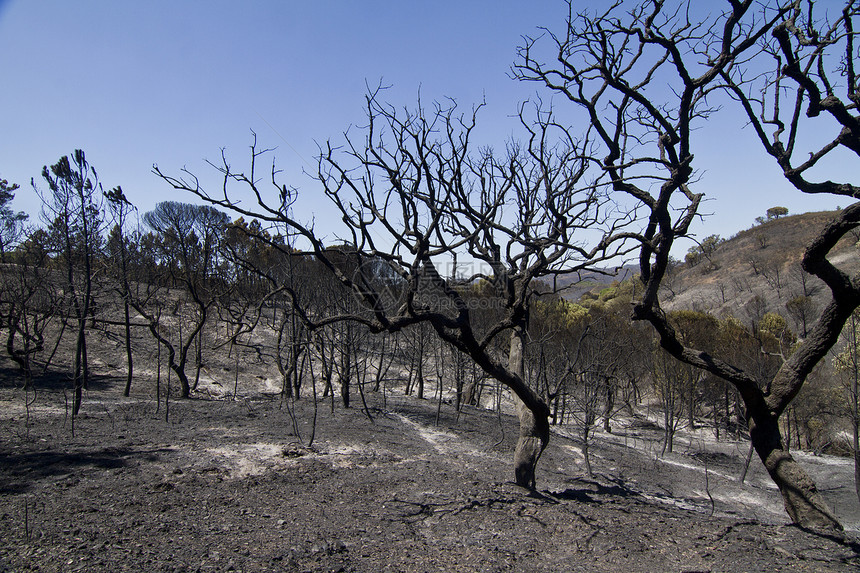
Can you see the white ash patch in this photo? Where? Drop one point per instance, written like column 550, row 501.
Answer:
column 245, row 460
column 443, row 442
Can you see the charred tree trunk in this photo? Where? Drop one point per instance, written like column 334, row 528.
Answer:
column 801, row 498
column 420, row 372
column 607, row 409
column 128, row 353
column 856, row 443
column 855, row 421
column 344, row 373
column 534, row 428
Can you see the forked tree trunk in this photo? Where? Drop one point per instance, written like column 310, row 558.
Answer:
column 803, row 502
column 185, row 384
column 534, row 429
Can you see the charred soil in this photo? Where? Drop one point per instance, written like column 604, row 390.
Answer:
column 234, row 485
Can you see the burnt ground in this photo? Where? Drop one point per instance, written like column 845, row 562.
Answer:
column 228, row 485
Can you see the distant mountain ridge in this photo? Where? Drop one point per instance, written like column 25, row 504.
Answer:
column 572, row 287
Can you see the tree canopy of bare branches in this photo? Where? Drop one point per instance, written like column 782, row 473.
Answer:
column 426, row 217
column 646, row 76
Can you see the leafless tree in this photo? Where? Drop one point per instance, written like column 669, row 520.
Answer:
column 646, row 76
column 417, row 344
column 552, row 342
column 24, row 289
column 811, row 60
column 773, row 275
column 72, row 208
column 594, row 365
column 261, row 262
column 118, row 253
column 190, row 238
column 385, row 352
column 803, row 283
column 672, row 380
column 411, row 192
column 29, row 302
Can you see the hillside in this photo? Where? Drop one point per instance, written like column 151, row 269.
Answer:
column 758, row 270
column 240, row 479
column 572, row 288
column 233, row 485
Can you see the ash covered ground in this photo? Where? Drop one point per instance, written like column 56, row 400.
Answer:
column 234, row 485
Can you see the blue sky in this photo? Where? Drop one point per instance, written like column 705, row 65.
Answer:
column 166, row 82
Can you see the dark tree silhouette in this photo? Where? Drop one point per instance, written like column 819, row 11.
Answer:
column 72, row 208
column 190, row 241
column 118, row 253
column 11, row 222
column 412, row 193
column 646, row 76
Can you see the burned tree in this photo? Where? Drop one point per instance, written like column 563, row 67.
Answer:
column 189, row 243
column 646, row 76
column 23, row 312
column 812, row 64
column 118, row 246
column 412, row 194
column 11, row 222
column 72, row 209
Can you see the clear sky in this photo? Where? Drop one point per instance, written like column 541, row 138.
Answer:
column 172, row 82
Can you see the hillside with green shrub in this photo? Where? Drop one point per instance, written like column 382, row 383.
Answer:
column 758, row 271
